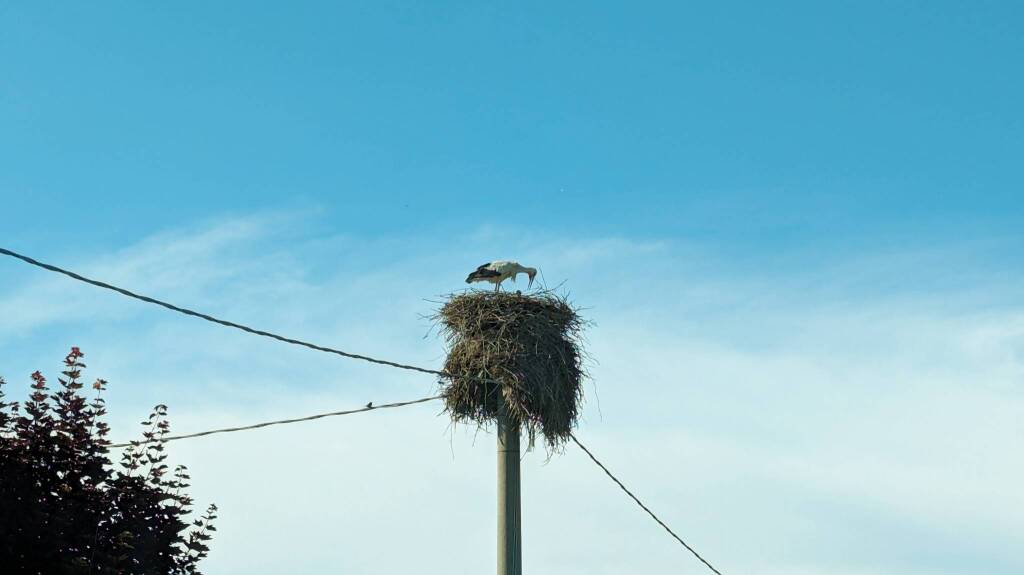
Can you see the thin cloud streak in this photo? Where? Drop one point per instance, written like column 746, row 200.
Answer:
column 768, row 421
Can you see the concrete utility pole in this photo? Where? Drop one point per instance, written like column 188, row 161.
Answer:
column 510, row 556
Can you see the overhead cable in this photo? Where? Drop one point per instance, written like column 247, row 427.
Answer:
column 369, row 407
column 642, row 506
column 212, row 319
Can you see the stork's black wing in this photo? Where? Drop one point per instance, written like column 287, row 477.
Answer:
column 482, row 273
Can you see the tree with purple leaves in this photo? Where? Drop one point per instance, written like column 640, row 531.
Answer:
column 64, row 509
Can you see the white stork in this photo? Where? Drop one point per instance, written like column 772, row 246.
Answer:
column 499, row 271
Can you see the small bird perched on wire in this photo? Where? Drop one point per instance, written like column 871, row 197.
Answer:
column 499, row 271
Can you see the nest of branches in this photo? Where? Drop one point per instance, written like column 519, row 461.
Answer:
column 520, row 352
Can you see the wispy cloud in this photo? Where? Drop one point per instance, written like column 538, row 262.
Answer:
column 780, row 426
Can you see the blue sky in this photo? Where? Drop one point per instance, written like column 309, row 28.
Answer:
column 796, row 226
column 746, row 124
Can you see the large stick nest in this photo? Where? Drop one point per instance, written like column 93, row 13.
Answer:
column 522, row 351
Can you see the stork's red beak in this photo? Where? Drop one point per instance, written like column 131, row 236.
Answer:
column 531, row 276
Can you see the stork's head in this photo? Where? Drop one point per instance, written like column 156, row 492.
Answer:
column 530, row 273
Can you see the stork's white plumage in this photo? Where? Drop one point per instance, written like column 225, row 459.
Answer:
column 499, row 271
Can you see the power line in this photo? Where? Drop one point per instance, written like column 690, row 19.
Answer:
column 212, row 319
column 642, row 506
column 369, row 407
